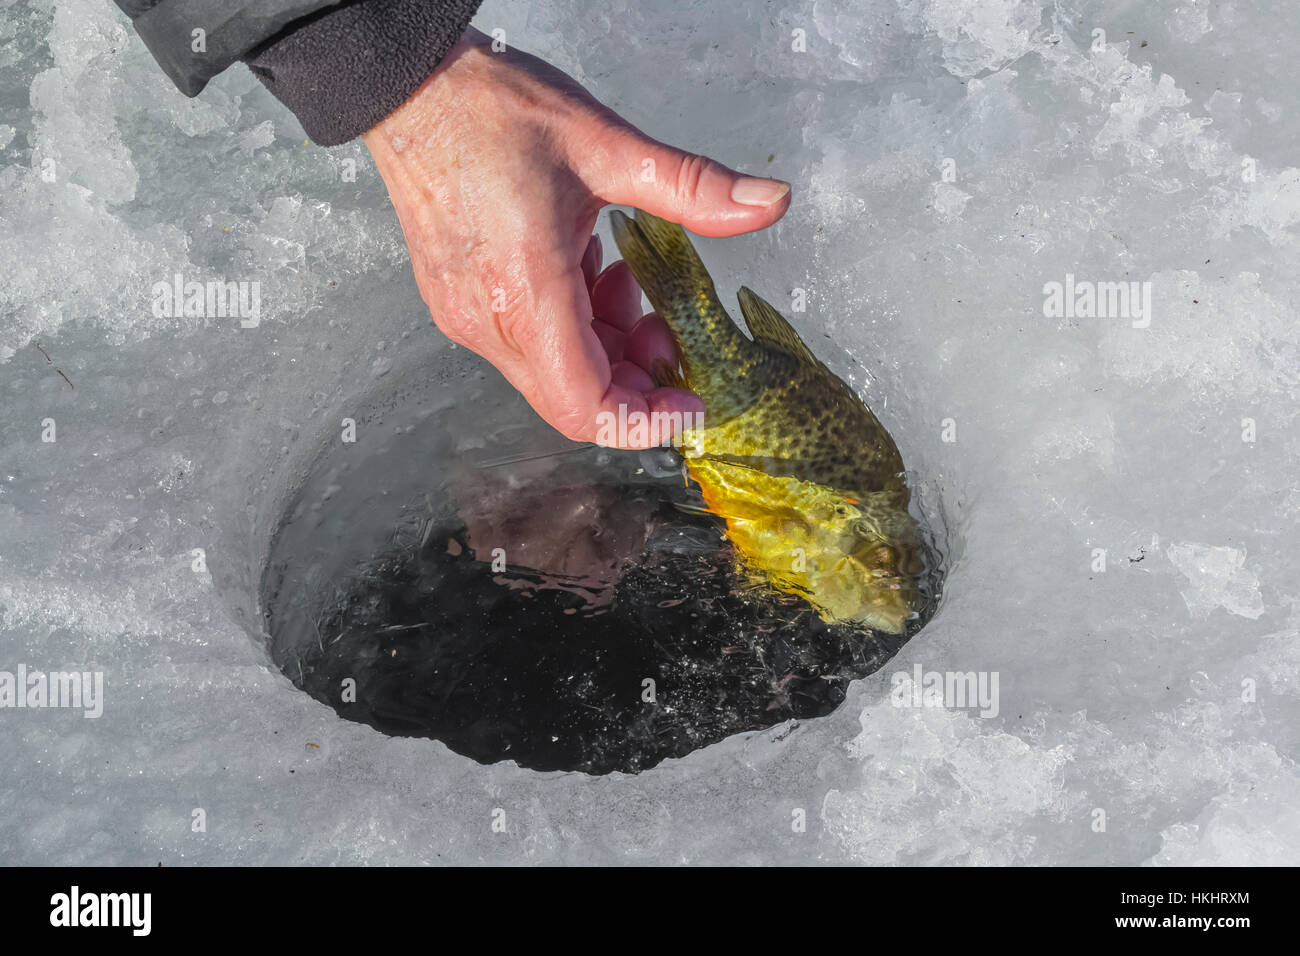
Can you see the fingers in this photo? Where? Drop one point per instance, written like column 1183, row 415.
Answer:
column 581, row 387
column 632, row 169
column 616, row 298
column 676, row 406
column 631, row 376
column 611, row 340
column 627, row 334
column 591, row 260
column 650, row 341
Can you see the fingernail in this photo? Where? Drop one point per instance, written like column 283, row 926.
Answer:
column 758, row 192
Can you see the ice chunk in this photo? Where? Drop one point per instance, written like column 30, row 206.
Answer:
column 1219, row 578
column 949, row 201
column 977, row 37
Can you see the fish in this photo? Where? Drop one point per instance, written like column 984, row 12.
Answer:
column 810, row 485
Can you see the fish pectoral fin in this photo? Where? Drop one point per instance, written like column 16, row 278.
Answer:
column 666, row 375
column 770, row 327
column 757, row 514
column 729, row 511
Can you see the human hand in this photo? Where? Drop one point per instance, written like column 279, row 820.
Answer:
column 498, row 167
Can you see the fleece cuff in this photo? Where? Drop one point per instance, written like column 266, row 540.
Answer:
column 344, row 70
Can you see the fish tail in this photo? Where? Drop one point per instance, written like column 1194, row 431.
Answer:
column 662, row 251
column 679, row 287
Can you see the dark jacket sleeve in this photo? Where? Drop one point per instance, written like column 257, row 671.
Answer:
column 341, row 66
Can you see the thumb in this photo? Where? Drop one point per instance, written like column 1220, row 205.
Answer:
column 703, row 195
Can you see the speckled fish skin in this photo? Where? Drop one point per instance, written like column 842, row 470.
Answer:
column 809, row 482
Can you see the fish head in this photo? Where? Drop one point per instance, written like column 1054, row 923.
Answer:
column 881, row 566
column 885, row 596
column 855, row 557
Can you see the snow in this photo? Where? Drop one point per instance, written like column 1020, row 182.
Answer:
column 1121, row 500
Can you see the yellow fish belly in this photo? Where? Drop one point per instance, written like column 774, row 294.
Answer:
column 796, row 535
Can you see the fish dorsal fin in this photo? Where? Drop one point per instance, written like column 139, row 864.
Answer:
column 770, row 328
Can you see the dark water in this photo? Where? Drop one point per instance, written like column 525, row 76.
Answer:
column 611, row 633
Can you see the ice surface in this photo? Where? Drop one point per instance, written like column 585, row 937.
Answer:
column 1122, row 498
